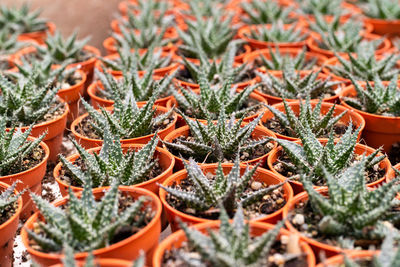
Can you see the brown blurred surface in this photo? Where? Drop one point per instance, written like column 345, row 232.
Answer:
column 89, row 17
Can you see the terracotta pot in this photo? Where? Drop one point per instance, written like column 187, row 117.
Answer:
column 87, row 143
column 97, row 102
column 359, row 150
column 39, row 37
column 293, row 52
column 279, row 74
column 128, row 249
column 256, row 228
column 55, row 131
column 257, row 44
column 165, row 159
column 338, row 260
column 261, row 174
column 72, row 95
column 7, row 232
column 181, row 122
column 384, row 27
column 379, row 130
column 31, row 180
column 350, row 115
column 381, row 49
column 157, row 72
column 103, row 263
column 185, row 131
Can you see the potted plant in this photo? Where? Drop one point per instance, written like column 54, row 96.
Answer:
column 193, row 195
column 23, row 159
column 141, row 86
column 314, row 155
column 132, row 123
column 25, row 103
column 247, row 243
column 110, row 222
column 309, row 9
column 335, row 223
column 10, row 210
column 321, row 118
column 378, row 103
column 219, row 140
column 25, row 23
column 384, row 15
column 266, row 12
column 10, row 43
column 132, row 165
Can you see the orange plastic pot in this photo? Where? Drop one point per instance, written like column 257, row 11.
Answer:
column 7, row 233
column 175, row 216
column 165, row 159
column 31, row 180
column 279, row 74
column 256, row 229
column 359, row 150
column 338, row 260
column 351, row 116
column 257, row 44
column 157, row 72
column 312, row 44
column 98, row 102
column 379, row 130
column 87, row 143
column 384, row 27
column 128, row 249
column 103, row 263
column 41, row 36
column 259, row 132
column 292, row 52
column 72, row 95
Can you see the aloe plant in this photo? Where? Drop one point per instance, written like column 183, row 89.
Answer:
column 277, row 33
column 86, row 224
column 266, row 12
column 217, row 142
column 324, row 7
column 8, row 202
column 313, row 157
column 9, row 43
column 21, row 20
column 320, row 124
column 15, row 148
column 382, row 9
column 377, row 98
column 126, row 120
column 111, row 164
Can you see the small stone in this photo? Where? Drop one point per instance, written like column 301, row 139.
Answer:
column 266, row 197
column 245, row 155
column 165, row 122
column 284, row 239
column 314, row 233
column 298, row 219
column 190, row 210
column 279, row 259
column 256, row 185
column 279, row 201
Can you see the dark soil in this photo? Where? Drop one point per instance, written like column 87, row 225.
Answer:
column 8, row 212
column 55, row 114
column 394, row 153
column 274, row 125
column 67, row 177
column 171, row 258
column 86, row 129
column 28, row 162
column 269, row 204
column 373, row 174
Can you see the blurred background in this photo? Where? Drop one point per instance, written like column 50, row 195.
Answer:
column 89, row 17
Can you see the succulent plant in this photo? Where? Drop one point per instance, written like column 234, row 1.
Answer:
column 366, row 65
column 128, row 59
column 282, row 61
column 342, row 212
column 21, row 20
column 210, row 99
column 324, row 7
column 382, row 9
column 320, row 124
column 9, row 43
column 231, row 245
column 293, row 86
column 211, row 35
column 144, row 5
column 126, row 120
column 277, row 33
column 266, row 12
column 227, row 190
column 25, row 103
column 313, row 157
column 15, row 148
column 60, row 49
column 111, row 164
column 220, row 141
column 8, row 199
column 377, row 98
column 86, row 224
column 131, row 83
column 206, row 8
